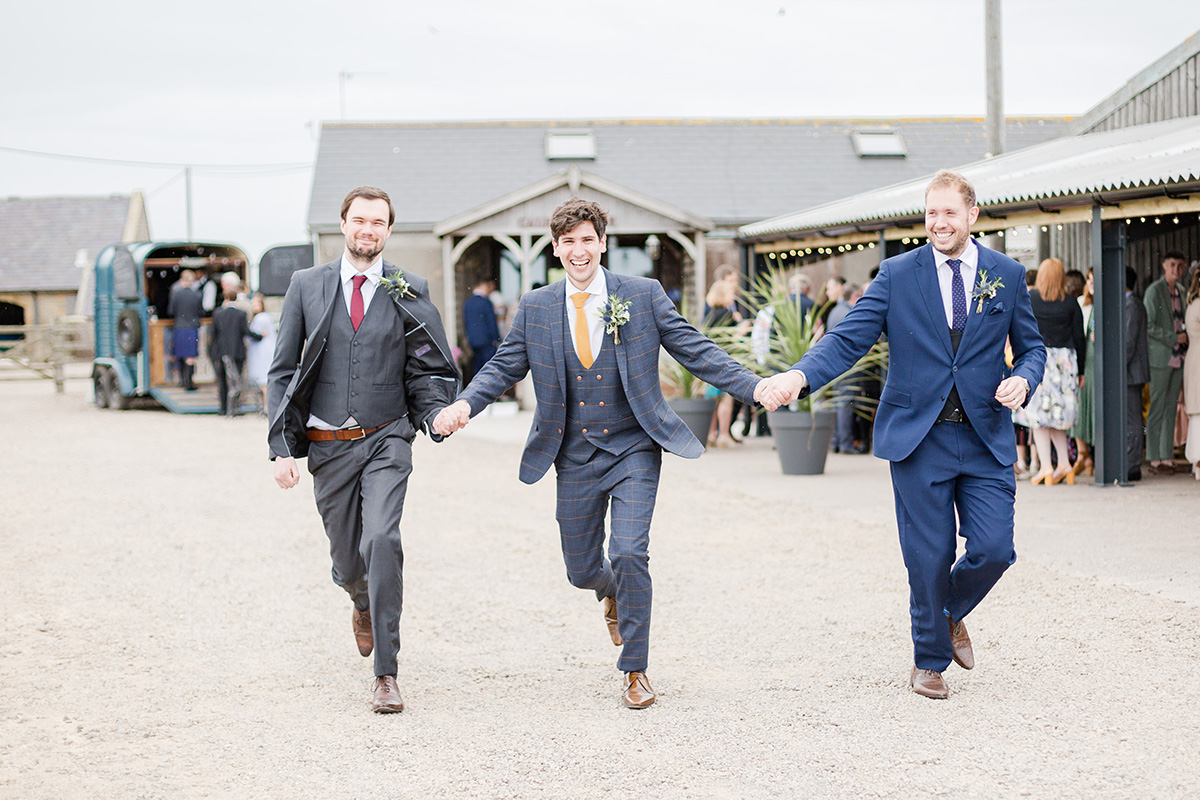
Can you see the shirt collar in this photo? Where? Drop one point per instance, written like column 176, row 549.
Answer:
column 596, row 287
column 373, row 273
column 969, row 257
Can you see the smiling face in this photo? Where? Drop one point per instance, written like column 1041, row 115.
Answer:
column 366, row 229
column 579, row 251
column 948, row 220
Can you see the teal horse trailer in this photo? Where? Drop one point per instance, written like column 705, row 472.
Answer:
column 133, row 328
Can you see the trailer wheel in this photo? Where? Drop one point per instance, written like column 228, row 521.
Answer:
column 115, row 398
column 100, row 386
column 129, row 331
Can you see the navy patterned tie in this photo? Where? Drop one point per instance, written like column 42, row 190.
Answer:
column 958, row 296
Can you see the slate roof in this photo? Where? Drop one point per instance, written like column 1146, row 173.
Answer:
column 39, row 237
column 730, row 171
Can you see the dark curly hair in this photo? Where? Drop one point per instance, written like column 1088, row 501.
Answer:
column 573, row 213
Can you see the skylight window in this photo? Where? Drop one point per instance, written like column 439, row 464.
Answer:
column 562, row 145
column 878, row 144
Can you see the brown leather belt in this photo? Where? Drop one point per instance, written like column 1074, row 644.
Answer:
column 344, row 435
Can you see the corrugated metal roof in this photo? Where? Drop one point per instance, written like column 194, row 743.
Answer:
column 729, row 171
column 1069, row 167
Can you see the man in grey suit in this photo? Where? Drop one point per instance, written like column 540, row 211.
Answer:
column 1137, row 374
column 592, row 343
column 361, row 363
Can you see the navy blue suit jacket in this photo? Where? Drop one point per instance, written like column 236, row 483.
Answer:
column 904, row 302
column 535, row 343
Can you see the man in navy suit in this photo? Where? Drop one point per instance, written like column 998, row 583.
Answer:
column 944, row 417
column 592, row 343
column 479, row 323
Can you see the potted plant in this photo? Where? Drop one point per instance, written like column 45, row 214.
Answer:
column 784, row 333
column 685, row 395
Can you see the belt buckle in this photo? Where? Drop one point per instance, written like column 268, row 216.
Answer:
column 350, row 434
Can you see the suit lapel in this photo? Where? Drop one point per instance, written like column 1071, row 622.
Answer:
column 612, row 284
column 931, row 293
column 558, row 313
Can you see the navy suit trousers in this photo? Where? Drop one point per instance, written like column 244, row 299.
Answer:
column 951, row 471
column 630, row 480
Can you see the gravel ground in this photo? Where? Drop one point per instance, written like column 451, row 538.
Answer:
column 170, row 631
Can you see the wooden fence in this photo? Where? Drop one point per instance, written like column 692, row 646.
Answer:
column 45, row 349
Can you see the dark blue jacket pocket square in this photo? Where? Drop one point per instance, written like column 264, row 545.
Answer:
column 996, row 309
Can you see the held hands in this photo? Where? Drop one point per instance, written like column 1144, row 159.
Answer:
column 287, row 474
column 1011, row 392
column 453, row 417
column 779, row 390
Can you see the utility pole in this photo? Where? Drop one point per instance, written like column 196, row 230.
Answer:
column 995, row 91
column 187, row 181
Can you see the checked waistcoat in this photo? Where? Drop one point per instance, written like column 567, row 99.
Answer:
column 598, row 413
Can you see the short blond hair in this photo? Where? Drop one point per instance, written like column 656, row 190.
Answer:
column 949, row 179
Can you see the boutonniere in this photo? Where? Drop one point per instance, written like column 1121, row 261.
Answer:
column 396, row 285
column 986, row 289
column 615, row 313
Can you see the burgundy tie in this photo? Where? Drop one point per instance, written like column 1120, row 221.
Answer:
column 356, row 301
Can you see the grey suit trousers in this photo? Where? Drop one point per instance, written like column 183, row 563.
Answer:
column 360, row 487
column 584, row 492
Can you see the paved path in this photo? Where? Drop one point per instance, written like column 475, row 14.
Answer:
column 170, row 631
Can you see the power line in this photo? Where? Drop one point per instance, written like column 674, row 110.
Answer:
column 278, row 167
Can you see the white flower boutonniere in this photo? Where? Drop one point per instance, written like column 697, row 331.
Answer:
column 615, row 314
column 396, row 285
column 986, row 289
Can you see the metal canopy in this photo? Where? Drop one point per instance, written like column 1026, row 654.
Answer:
column 1058, row 181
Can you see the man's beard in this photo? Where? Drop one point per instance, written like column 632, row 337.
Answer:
column 367, row 252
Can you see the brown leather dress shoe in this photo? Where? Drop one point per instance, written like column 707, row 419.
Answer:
column 387, row 696
column 638, row 693
column 964, row 656
column 610, row 617
column 361, row 621
column 928, row 683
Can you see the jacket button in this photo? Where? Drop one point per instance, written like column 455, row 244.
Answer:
column 955, row 369
column 602, row 403
column 585, row 430
column 581, row 402
column 597, row 377
column 578, row 377
column 560, row 430
column 606, row 430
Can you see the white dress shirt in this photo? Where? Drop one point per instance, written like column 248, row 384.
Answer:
column 970, row 261
column 593, row 308
column 348, row 271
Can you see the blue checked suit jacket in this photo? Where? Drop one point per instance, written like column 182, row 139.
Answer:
column 904, row 302
column 536, row 344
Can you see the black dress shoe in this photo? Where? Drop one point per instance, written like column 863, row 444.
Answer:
column 1134, row 475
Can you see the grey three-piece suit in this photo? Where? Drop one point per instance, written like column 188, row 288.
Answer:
column 396, row 372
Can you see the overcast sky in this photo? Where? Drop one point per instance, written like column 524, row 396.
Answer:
column 248, row 82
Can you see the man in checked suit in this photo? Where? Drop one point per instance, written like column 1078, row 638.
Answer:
column 601, row 419
column 944, row 418
column 361, row 363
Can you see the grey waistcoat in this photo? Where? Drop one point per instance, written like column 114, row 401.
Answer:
column 362, row 373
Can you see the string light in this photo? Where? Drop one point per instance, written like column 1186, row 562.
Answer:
column 904, row 240
column 1143, row 219
column 1044, row 229
column 1060, row 226
column 1175, row 220
column 1157, row 221
column 871, row 245
column 1000, row 234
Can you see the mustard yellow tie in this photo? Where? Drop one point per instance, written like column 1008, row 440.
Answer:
column 583, row 343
